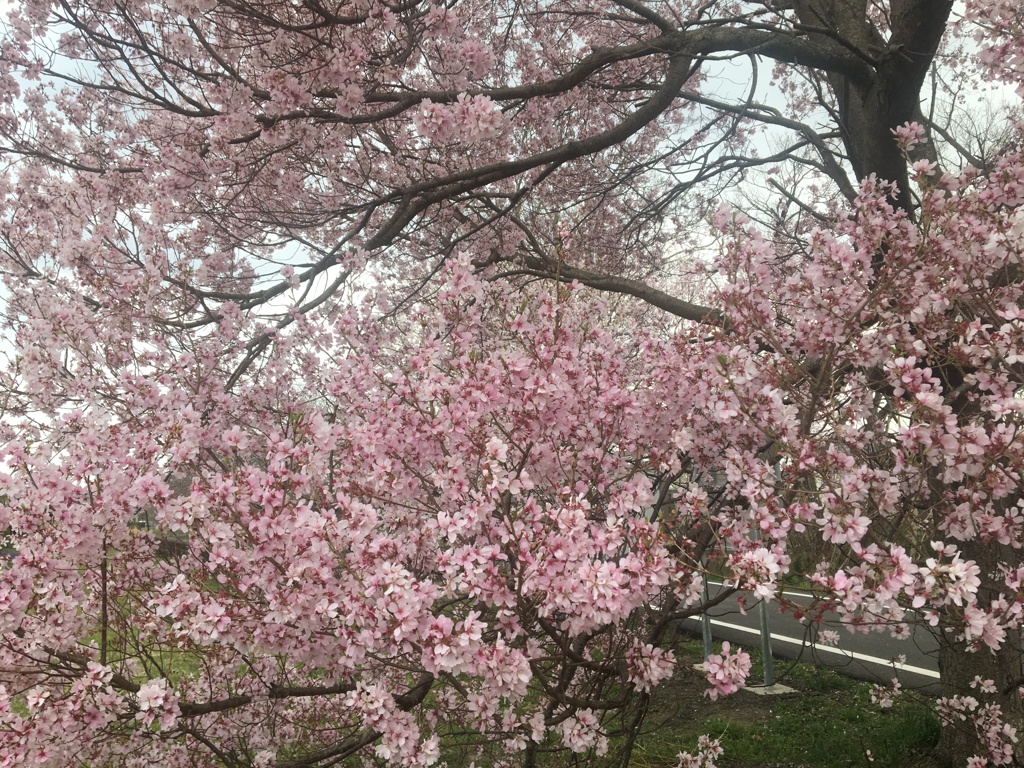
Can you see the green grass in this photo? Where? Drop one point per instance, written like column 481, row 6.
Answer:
column 811, row 732
column 830, row 723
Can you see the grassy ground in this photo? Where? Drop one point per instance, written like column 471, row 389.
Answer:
column 829, row 723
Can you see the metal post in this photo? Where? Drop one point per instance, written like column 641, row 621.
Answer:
column 766, row 645
column 705, row 621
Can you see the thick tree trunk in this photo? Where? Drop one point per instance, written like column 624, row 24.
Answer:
column 868, row 109
column 960, row 666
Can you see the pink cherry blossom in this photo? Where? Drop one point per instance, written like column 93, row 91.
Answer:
column 385, row 372
column 726, row 672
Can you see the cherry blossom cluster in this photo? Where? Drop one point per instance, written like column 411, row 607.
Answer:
column 649, row 665
column 708, row 751
column 995, row 736
column 469, row 119
column 302, row 461
column 726, row 671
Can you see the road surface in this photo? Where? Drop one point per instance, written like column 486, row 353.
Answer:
column 863, row 656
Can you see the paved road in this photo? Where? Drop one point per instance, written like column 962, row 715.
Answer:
column 866, row 657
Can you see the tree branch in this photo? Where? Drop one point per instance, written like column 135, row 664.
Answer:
column 626, row 285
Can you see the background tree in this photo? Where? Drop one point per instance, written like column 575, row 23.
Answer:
column 442, row 503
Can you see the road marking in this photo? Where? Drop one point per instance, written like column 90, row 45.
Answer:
column 783, row 592
column 829, row 649
column 790, row 593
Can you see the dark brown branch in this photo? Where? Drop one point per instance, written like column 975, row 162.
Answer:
column 340, row 750
column 626, row 285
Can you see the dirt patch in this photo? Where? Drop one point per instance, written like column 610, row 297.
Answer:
column 683, row 700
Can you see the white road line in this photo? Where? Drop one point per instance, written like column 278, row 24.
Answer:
column 790, row 593
column 784, row 592
column 829, row 649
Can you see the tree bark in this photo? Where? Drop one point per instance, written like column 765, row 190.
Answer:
column 870, row 109
column 959, row 667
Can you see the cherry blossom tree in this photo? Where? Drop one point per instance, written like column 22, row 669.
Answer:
column 352, row 407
